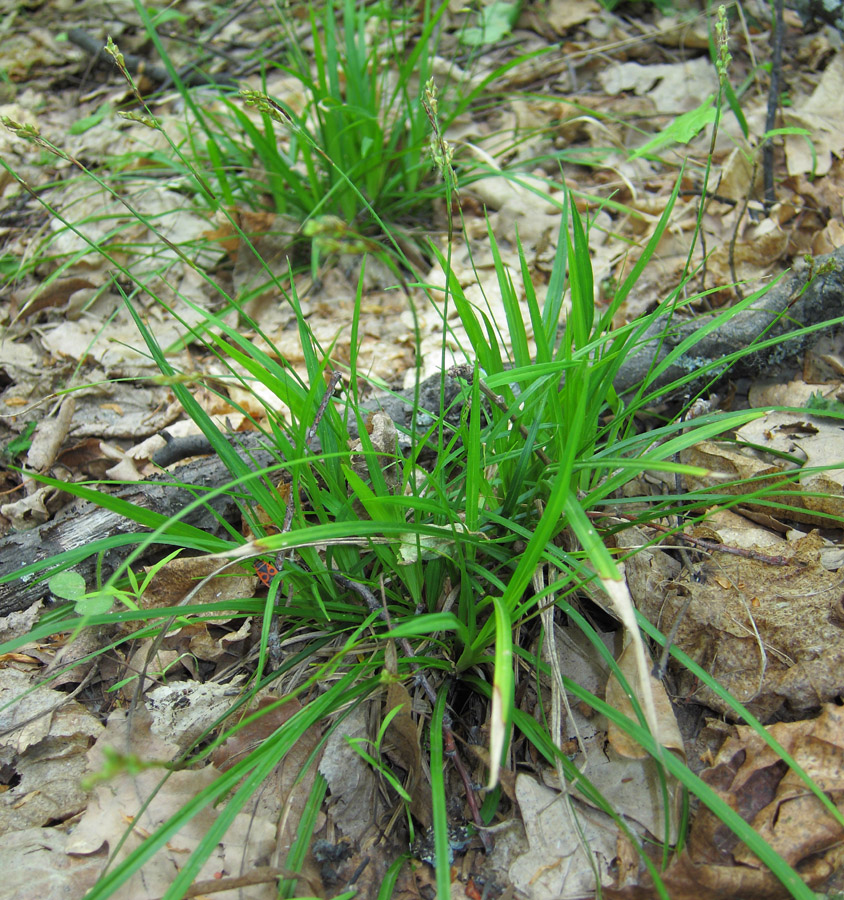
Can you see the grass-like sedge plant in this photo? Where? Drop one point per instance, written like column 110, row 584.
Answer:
column 484, row 516
column 350, row 157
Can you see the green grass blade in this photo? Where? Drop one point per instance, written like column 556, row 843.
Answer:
column 442, row 864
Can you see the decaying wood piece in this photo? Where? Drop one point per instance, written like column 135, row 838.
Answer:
column 84, row 524
column 783, row 305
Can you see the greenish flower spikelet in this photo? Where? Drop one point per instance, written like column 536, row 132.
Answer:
column 723, row 35
column 441, row 151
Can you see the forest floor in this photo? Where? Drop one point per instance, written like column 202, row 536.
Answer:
column 573, row 119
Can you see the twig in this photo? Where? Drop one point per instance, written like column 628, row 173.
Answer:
column 661, row 666
column 690, row 413
column 773, row 105
column 703, row 544
column 137, row 64
column 333, row 381
column 468, row 374
column 260, row 875
column 720, row 198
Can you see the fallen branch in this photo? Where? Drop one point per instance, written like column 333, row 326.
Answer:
column 796, row 301
column 83, row 523
column 802, row 299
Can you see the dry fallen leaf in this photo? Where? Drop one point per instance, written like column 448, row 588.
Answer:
column 355, row 806
column 183, row 711
column 813, row 498
column 115, row 809
column 406, row 751
column 564, row 14
column 556, row 864
column 671, row 87
column 286, row 789
column 820, row 114
column 771, row 635
column 42, row 753
column 785, row 812
column 35, row 863
column 668, row 734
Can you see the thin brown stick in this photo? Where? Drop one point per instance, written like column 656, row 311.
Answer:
column 661, row 666
column 330, row 387
column 773, row 106
column 468, row 373
column 259, row 875
column 703, row 544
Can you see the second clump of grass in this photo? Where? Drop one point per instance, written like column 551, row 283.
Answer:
column 352, row 155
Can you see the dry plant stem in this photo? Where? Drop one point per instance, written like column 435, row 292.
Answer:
column 448, row 735
column 260, row 875
column 358, row 871
column 559, row 699
column 720, row 198
column 192, row 71
column 722, row 60
column 678, row 489
column 224, row 21
column 331, row 386
column 705, row 198
column 137, row 64
column 467, row 373
column 748, row 43
column 661, row 666
column 702, row 544
column 773, row 104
